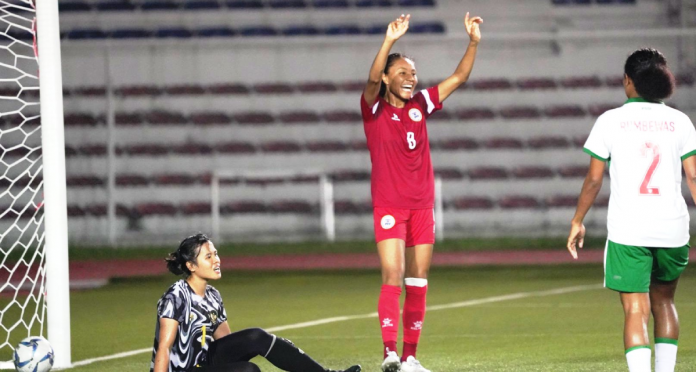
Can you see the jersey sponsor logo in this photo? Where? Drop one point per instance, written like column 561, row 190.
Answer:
column 415, row 114
column 387, row 222
column 395, row 117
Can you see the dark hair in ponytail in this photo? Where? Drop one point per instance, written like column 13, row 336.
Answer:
column 647, row 67
column 390, row 61
column 187, row 252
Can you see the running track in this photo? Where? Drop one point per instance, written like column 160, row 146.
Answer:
column 90, row 273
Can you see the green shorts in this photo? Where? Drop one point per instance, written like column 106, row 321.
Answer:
column 629, row 268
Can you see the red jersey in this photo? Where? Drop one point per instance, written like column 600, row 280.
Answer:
column 402, row 172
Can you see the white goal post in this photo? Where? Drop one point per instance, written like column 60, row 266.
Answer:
column 326, row 197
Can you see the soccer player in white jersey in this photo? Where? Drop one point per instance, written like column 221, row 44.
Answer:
column 645, row 144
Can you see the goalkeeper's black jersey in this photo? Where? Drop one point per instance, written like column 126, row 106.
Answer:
column 198, row 319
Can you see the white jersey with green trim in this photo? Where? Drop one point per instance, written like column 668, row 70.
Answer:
column 644, row 144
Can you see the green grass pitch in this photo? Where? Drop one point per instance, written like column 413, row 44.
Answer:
column 578, row 331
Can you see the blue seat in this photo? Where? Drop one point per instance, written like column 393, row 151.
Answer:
column 258, row 31
column 330, row 4
column 216, row 32
column 582, row 2
column 287, row 4
column 301, row 31
column 201, row 5
column 180, row 33
column 73, row 6
column 244, row 4
column 115, row 6
column 561, row 2
column 428, row 28
column 159, row 5
column 373, row 3
column 343, row 30
column 82, row 34
column 376, row 30
column 416, row 3
column 130, row 33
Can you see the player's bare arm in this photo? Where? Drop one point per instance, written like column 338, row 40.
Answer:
column 222, row 330
column 689, row 165
column 395, row 30
column 461, row 74
column 590, row 189
column 168, row 329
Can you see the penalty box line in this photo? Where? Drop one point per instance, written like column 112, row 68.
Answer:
column 454, row 305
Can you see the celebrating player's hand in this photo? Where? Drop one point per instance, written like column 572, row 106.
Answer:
column 472, row 27
column 398, row 28
column 576, row 238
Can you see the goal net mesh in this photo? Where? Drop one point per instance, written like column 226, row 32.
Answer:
column 22, row 251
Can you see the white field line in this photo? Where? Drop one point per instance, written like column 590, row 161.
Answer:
column 487, row 300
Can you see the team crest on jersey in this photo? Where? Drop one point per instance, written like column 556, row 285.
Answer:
column 415, row 114
column 213, row 316
column 387, row 222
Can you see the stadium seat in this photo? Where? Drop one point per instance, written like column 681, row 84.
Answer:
column 130, row 180
column 325, row 4
column 83, row 34
column 174, row 33
column 342, row 116
column 491, row 84
column 350, row 175
column 254, row 118
column 548, row 142
column 472, row 202
column 298, row 117
column 234, row 147
column 373, row 3
column 358, row 145
column 194, row 5
column 561, row 201
column 377, row 29
column 477, row 113
column 255, row 31
column 210, row 118
column 503, row 143
column 596, row 110
column 89, row 91
column 80, row 119
column 441, row 115
column 449, row 173
column 179, row 179
column 230, row 88
column 244, row 4
column 192, row 149
column 353, row 85
column 156, row 209
column 518, row 202
column 159, row 117
column 345, row 207
column 138, row 90
column 115, row 6
column 70, row 151
column 273, row 88
column 342, row 30
column 220, row 31
column 456, row 144
column 520, row 112
column 187, row 89
column 287, row 4
column 246, row 206
column 601, row 201
column 195, row 208
column 579, row 141
column 92, row 150
column 130, row 33
column 128, row 118
column 536, row 83
column 149, row 149
column 326, row 146
column 413, row 3
column 100, row 210
column 75, row 211
column 300, row 31
column 316, row 87
column 73, row 6
column 533, row 172
column 158, row 5
column 614, row 81
column 427, row 28
column 573, row 171
column 564, row 111
column 685, row 80
column 281, row 146
column 291, row 206
column 581, row 82
column 84, row 181
column 487, row 173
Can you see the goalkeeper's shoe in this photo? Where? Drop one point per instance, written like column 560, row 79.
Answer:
column 355, row 368
column 391, row 363
column 412, row 364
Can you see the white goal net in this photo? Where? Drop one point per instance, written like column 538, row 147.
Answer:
column 23, row 247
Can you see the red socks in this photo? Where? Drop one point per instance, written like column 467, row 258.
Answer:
column 414, row 314
column 388, row 312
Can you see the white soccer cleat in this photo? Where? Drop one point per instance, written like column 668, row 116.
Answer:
column 392, row 363
column 412, row 365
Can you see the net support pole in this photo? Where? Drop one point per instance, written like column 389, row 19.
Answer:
column 439, row 211
column 327, row 207
column 55, row 199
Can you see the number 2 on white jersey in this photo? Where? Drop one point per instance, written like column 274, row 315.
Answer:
column 654, row 150
column 411, row 139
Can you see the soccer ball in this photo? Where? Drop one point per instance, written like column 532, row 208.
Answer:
column 33, row 354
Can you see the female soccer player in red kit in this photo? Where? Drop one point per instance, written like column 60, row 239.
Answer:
column 394, row 117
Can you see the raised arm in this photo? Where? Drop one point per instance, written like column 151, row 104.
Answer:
column 395, row 30
column 461, row 74
column 590, row 189
column 167, row 335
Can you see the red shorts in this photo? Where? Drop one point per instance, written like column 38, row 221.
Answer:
column 413, row 226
